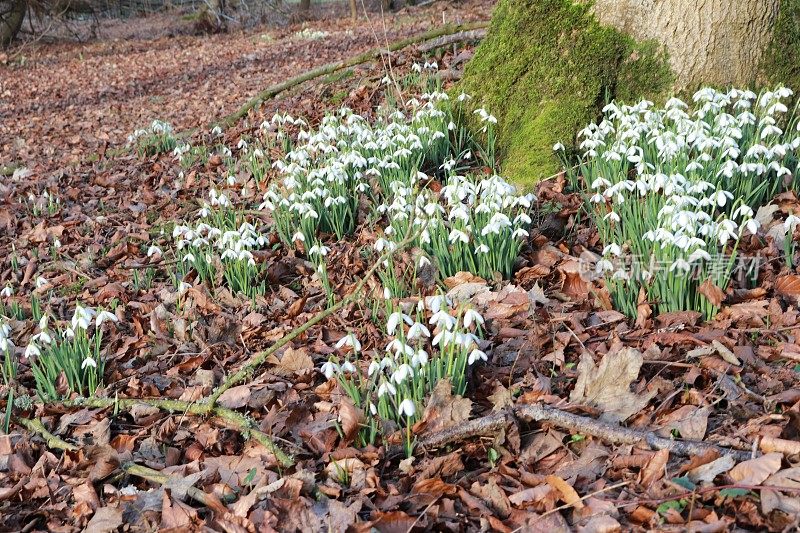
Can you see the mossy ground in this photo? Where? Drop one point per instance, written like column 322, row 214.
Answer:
column 546, row 69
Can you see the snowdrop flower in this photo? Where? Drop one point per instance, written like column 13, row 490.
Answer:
column 189, row 258
column 612, row 216
column 418, row 330
column 374, row 366
column 153, row 250
column 613, row 249
column 387, row 294
column 476, row 355
column 7, row 292
column 348, row 367
column 402, row 373
column 420, row 358
column 471, row 316
column 407, row 408
column 41, row 282
column 32, row 350
column 791, row 223
column 680, row 264
column 183, row 287
column 319, row 249
column 88, row 362
column 330, row 369
column 349, row 340
column 396, row 319
column 441, row 319
column 558, row 147
column 5, row 344
column 386, row 387
column 103, row 316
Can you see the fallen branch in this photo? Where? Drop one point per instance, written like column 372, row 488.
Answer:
column 446, row 40
column 232, row 418
column 621, row 435
column 35, row 425
column 330, row 68
column 155, row 476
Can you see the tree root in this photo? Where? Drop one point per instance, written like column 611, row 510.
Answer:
column 330, row 68
column 35, row 425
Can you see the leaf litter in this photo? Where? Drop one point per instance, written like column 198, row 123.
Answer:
column 554, row 340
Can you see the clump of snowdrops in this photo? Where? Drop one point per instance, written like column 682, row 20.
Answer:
column 432, row 342
column 220, row 248
column 74, row 352
column 672, row 191
column 474, row 223
column 158, row 138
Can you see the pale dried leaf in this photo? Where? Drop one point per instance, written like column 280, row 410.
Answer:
column 755, row 471
column 607, row 386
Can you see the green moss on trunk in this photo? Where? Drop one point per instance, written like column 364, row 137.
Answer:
column 545, row 69
column 781, row 63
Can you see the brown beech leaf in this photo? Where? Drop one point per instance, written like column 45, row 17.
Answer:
column 787, row 502
column 643, row 309
column 654, row 469
column 235, row 397
column 293, row 361
column 568, row 494
column 350, row 419
column 105, row 520
column 689, row 420
column 713, row 294
column 444, row 410
column 755, row 471
column 607, row 386
column 788, row 286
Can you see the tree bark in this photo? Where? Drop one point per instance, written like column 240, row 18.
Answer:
column 12, row 13
column 711, row 42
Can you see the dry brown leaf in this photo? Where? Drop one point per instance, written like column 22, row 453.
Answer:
column 755, row 471
column 350, row 419
column 713, row 294
column 462, row 277
column 707, row 472
column 493, row 495
column 643, row 309
column 689, row 420
column 784, row 446
column 443, row 410
column 788, row 502
column 572, row 282
column 293, row 361
column 235, row 397
column 654, row 469
column 105, row 520
column 788, row 286
column 607, row 386
column 568, row 494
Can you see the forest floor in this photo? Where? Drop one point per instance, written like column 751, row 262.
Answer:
column 712, row 407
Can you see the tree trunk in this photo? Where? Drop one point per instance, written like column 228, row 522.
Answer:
column 305, row 5
column 547, row 67
column 716, row 42
column 12, row 13
column 353, row 10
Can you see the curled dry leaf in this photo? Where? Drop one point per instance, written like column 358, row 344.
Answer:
column 568, row 494
column 713, row 294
